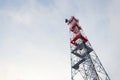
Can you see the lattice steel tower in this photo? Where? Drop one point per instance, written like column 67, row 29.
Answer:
column 84, row 60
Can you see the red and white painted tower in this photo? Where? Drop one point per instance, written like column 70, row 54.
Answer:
column 84, row 60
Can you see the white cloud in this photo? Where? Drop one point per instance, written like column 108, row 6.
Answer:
column 29, row 49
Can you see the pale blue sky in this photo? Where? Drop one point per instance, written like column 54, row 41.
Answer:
column 34, row 39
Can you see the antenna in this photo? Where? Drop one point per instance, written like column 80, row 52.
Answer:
column 84, row 60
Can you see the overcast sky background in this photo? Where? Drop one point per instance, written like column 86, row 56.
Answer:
column 34, row 39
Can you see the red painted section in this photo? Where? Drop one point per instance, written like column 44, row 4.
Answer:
column 71, row 20
column 78, row 36
column 75, row 28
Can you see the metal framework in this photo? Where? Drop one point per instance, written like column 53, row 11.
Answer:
column 84, row 60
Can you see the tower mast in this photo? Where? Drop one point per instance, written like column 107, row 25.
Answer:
column 84, row 60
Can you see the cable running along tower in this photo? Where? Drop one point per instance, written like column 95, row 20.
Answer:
column 84, row 60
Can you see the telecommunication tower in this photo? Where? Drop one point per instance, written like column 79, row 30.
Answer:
column 84, row 60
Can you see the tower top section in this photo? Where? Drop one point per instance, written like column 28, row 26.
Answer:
column 71, row 20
